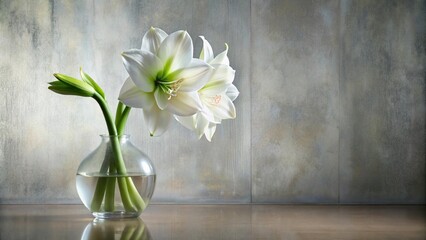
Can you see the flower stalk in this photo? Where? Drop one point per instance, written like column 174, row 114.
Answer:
column 132, row 201
column 113, row 164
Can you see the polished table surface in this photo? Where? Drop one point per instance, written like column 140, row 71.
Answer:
column 218, row 222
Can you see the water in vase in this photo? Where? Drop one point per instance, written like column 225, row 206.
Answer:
column 96, row 192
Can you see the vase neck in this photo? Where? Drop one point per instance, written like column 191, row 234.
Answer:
column 122, row 138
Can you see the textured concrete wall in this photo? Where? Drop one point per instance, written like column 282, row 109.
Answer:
column 44, row 136
column 332, row 104
column 296, row 107
column 382, row 103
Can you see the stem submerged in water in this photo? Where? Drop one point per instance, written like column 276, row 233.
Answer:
column 131, row 199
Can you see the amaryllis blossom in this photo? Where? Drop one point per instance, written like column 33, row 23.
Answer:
column 216, row 96
column 164, row 78
column 165, row 81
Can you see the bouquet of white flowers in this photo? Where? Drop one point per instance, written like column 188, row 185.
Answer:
column 166, row 82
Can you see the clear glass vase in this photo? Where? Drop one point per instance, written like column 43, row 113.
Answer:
column 116, row 180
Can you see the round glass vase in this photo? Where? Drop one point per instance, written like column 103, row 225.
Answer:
column 116, row 180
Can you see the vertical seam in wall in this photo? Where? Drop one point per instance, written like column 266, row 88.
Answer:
column 251, row 106
column 339, row 97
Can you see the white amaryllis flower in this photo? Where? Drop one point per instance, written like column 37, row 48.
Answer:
column 164, row 78
column 217, row 95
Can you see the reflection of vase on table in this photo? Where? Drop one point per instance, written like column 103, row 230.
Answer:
column 116, row 229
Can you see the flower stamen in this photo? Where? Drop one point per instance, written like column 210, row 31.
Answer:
column 170, row 88
column 216, row 99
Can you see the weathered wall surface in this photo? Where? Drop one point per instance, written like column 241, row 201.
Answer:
column 296, row 108
column 382, row 103
column 332, row 104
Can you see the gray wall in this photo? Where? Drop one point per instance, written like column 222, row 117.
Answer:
column 332, row 106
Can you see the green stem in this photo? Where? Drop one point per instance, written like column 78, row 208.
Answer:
column 112, row 130
column 101, row 184
column 115, row 143
column 110, row 194
column 134, row 194
column 110, row 188
column 118, row 112
column 120, row 116
column 131, row 198
column 121, row 123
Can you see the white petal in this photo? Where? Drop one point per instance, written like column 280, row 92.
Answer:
column 142, row 67
column 185, row 104
column 208, row 114
column 161, row 98
column 220, row 80
column 157, row 120
column 222, row 58
column 152, row 40
column 176, row 51
column 188, row 121
column 221, row 106
column 232, row 92
column 201, row 125
column 207, row 51
column 193, row 77
column 133, row 96
column 217, row 120
column 211, row 129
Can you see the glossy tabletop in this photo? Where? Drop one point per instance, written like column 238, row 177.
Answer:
column 217, row 222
